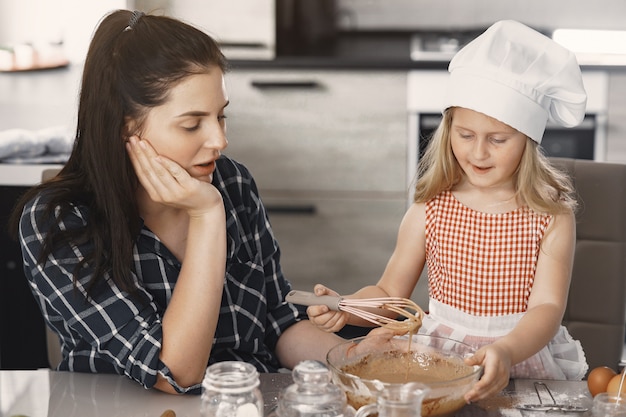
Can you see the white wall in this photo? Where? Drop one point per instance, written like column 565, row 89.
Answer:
column 69, row 21
column 255, row 20
column 428, row 14
column 18, row 18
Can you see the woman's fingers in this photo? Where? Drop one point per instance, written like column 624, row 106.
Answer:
column 168, row 183
column 171, row 175
column 161, row 177
column 140, row 163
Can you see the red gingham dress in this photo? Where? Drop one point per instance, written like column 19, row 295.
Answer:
column 481, row 268
column 481, row 263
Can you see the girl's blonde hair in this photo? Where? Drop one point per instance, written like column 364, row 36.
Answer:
column 539, row 185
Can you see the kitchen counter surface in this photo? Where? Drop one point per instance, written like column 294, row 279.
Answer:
column 363, row 50
column 373, row 50
column 45, row 393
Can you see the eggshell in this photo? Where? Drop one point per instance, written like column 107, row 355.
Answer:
column 599, row 378
column 614, row 385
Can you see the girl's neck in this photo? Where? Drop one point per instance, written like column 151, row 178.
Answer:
column 498, row 199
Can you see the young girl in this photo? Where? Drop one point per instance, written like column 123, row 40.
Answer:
column 151, row 254
column 492, row 219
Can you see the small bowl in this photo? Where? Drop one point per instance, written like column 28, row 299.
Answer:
column 365, row 366
column 608, row 405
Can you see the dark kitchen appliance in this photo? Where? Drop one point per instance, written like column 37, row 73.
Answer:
column 576, row 142
column 304, row 23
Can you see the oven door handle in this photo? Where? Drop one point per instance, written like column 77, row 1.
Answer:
column 286, row 84
column 300, row 209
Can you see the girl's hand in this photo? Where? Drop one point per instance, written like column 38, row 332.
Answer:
column 323, row 317
column 497, row 365
column 168, row 183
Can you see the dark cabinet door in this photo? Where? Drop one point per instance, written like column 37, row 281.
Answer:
column 22, row 329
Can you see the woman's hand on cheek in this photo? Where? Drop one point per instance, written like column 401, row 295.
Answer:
column 167, row 182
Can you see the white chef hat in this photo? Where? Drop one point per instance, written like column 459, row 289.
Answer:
column 519, row 77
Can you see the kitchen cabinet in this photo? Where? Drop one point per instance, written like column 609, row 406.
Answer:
column 344, row 244
column 22, row 329
column 328, row 151
column 324, row 130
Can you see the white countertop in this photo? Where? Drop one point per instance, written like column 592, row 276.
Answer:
column 46, row 393
column 23, row 175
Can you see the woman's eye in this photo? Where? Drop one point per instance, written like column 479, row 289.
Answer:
column 192, row 128
column 221, row 117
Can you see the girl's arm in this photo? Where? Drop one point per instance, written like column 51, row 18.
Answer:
column 546, row 306
column 398, row 280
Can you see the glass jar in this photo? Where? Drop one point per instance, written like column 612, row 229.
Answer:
column 231, row 389
column 403, row 400
column 607, row 405
column 312, row 394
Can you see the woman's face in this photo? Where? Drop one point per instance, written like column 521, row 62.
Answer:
column 487, row 150
column 190, row 128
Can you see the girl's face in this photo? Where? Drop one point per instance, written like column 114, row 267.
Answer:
column 190, row 128
column 487, row 150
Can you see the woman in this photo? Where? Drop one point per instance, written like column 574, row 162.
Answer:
column 151, row 254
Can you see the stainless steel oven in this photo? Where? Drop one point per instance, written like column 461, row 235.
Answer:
column 586, row 141
column 577, row 142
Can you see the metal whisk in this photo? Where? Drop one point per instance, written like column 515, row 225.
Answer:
column 546, row 407
column 359, row 307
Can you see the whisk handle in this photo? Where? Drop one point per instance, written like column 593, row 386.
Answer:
column 310, row 299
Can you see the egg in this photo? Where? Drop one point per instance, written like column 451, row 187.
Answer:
column 599, row 378
column 613, row 386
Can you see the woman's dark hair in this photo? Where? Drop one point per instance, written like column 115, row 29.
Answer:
column 130, row 67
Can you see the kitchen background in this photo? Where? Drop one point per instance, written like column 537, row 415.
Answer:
column 327, row 104
column 336, row 184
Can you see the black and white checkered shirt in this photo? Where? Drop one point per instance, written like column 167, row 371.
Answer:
column 113, row 332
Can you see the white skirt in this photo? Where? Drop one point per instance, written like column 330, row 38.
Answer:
column 563, row 358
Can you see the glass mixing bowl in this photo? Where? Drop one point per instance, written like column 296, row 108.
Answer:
column 364, row 366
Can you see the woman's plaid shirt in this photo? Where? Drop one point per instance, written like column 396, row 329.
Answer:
column 113, row 332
